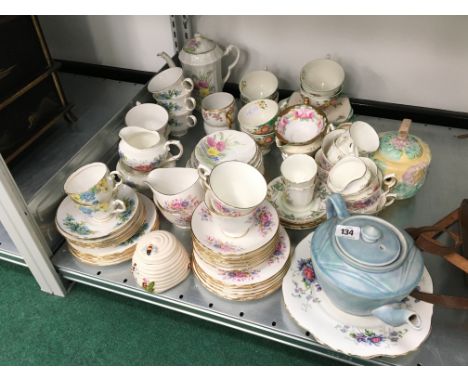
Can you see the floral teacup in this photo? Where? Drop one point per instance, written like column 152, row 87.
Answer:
column 258, row 117
column 218, row 109
column 93, row 188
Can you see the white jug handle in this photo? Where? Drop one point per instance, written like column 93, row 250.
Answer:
column 190, row 103
column 236, row 60
column 119, row 182
column 171, row 157
column 191, row 120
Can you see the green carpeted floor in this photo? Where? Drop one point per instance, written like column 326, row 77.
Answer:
column 93, row 327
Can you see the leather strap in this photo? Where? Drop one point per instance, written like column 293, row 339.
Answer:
column 425, row 239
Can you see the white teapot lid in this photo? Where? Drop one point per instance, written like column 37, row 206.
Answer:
column 199, row 44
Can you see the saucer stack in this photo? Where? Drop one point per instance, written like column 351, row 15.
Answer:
column 244, row 268
column 112, row 241
column 160, row 262
column 227, row 145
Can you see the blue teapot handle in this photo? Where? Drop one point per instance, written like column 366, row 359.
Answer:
column 336, row 206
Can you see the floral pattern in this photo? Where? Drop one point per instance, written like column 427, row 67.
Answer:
column 279, row 252
column 224, row 210
column 204, row 84
column 76, row 227
column 394, row 146
column 171, row 106
column 192, row 45
column 174, row 123
column 304, row 282
column 213, row 149
column 223, row 246
column 148, row 285
column 300, row 114
column 171, row 93
column 182, row 205
column 205, row 214
column 239, row 275
column 140, row 165
column 371, row 337
column 263, row 220
column 91, row 195
column 124, row 216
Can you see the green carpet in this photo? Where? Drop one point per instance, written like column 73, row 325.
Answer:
column 94, row 327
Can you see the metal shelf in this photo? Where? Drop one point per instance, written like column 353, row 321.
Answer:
column 443, row 191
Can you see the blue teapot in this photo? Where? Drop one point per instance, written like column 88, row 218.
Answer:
column 365, row 265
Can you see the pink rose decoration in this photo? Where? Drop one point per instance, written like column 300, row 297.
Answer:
column 211, row 142
column 220, row 145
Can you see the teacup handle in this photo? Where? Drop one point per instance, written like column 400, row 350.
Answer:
column 204, row 174
column 118, row 206
column 389, row 199
column 191, row 120
column 187, row 83
column 190, row 103
column 330, row 127
column 234, row 63
column 229, row 118
column 119, row 182
column 389, row 181
column 167, row 145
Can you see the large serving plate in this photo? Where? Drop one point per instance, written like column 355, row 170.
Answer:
column 363, row 336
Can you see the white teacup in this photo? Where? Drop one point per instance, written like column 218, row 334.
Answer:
column 322, row 77
column 341, row 147
column 237, row 187
column 259, row 84
column 298, row 174
column 349, row 176
column 170, row 83
column 233, row 226
column 364, row 137
column 180, row 124
column 149, row 116
column 178, row 106
column 93, row 187
column 218, row 109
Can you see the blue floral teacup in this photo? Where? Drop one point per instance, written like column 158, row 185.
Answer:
column 94, row 188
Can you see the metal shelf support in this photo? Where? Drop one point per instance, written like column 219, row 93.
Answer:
column 25, row 233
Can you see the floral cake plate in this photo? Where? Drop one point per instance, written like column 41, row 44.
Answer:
column 264, row 227
column 366, row 337
column 308, row 216
column 258, row 274
column 150, row 221
column 75, row 222
column 225, row 146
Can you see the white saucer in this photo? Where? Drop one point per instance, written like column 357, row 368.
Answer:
column 365, row 337
column 264, row 229
column 74, row 223
column 315, row 212
column 150, row 220
column 270, row 267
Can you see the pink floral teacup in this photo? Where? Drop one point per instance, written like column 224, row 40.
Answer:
column 218, row 109
column 177, row 192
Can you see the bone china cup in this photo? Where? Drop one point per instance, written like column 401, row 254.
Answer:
column 322, row 77
column 180, row 124
column 218, row 109
column 149, row 116
column 93, row 187
column 258, row 117
column 298, row 174
column 170, row 83
column 233, row 226
column 179, row 105
column 258, row 84
column 237, row 187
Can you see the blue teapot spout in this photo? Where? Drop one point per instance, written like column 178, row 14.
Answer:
column 394, row 315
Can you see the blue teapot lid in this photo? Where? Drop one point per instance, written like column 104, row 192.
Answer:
column 379, row 246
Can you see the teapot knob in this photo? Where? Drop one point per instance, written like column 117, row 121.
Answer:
column 370, row 234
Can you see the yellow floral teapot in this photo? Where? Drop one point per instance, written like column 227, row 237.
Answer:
column 406, row 156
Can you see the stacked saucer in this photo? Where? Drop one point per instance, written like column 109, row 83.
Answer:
column 160, row 262
column 227, row 145
column 240, row 268
column 115, row 254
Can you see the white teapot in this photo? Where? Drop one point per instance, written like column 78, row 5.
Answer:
column 201, row 61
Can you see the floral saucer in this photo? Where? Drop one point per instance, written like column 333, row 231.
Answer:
column 308, row 216
column 262, row 272
column 225, row 146
column 264, row 228
column 365, row 337
column 148, row 225
column 76, row 223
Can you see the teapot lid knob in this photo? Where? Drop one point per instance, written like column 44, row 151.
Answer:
column 370, row 234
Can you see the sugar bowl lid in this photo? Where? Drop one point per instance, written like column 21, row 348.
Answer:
column 199, row 44
column 375, row 245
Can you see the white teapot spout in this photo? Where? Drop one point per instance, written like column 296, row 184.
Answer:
column 168, row 59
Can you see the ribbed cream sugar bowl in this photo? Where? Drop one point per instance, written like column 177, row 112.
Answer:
column 160, row 262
